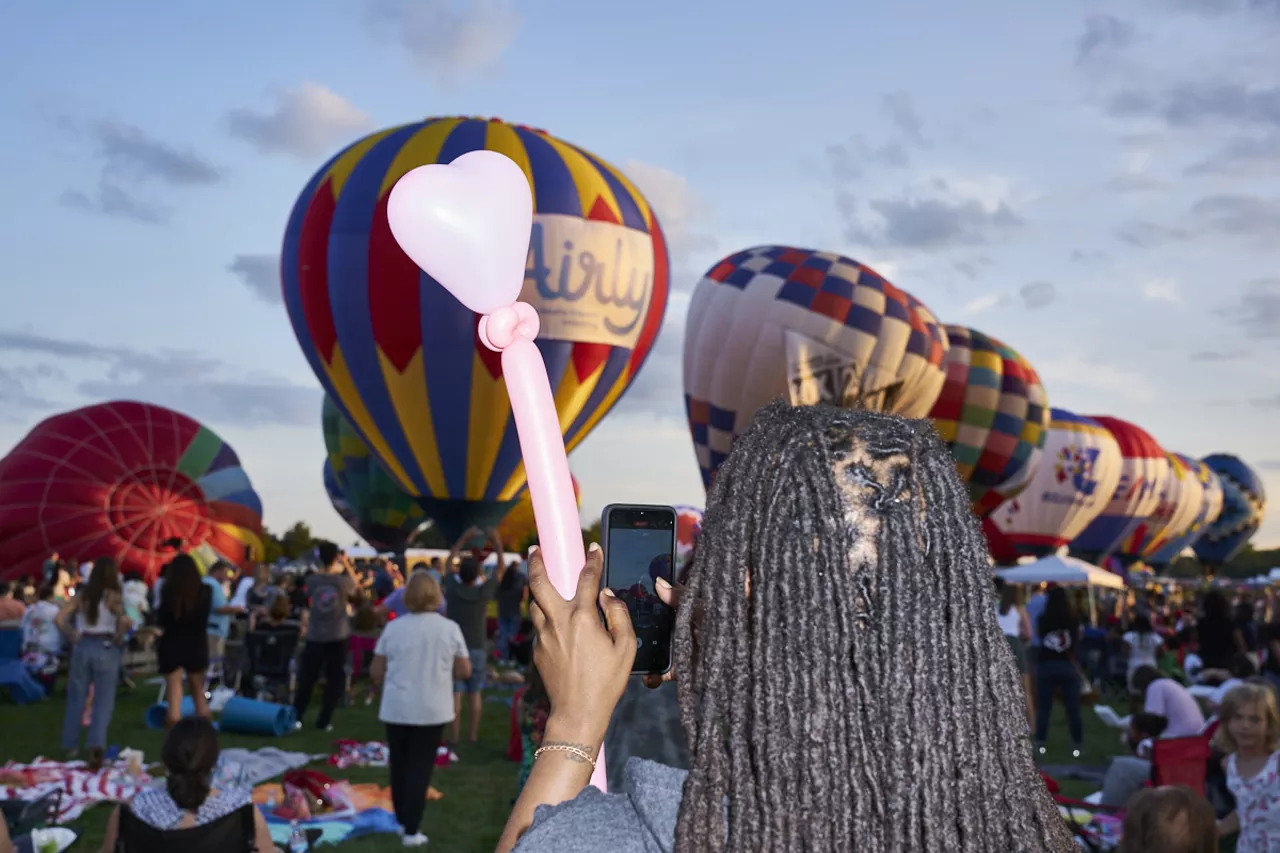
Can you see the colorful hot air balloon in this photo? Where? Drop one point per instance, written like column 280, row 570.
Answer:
column 993, row 414
column 660, row 567
column 1178, row 502
column 1144, row 474
column 337, row 496
column 383, row 514
column 399, row 354
column 519, row 529
column 1244, row 504
column 809, row 326
column 1169, row 547
column 688, row 526
column 120, row 480
column 1070, row 487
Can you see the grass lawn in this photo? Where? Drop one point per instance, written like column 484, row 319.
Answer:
column 478, row 789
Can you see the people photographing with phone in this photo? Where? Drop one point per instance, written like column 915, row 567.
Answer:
column 835, row 638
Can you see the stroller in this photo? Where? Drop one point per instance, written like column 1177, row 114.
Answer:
column 271, row 663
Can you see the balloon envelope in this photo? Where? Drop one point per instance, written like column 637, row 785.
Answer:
column 993, row 414
column 119, row 480
column 688, row 526
column 1180, row 499
column 804, row 325
column 1068, row 489
column 399, row 355
column 1207, row 512
column 1144, row 473
column 1244, row 504
column 337, row 496
column 382, row 513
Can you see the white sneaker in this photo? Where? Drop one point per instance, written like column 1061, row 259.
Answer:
column 415, row 840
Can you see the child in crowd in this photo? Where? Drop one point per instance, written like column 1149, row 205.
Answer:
column 1249, row 734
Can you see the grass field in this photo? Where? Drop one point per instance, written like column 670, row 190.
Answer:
column 478, row 789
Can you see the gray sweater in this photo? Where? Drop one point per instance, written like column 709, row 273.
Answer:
column 640, row 817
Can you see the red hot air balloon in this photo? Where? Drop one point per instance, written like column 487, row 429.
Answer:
column 120, row 480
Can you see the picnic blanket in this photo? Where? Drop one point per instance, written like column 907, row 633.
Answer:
column 248, row 767
column 369, row 811
column 80, row 787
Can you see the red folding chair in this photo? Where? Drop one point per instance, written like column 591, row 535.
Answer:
column 1182, row 760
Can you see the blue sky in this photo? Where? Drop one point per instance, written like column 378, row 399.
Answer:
column 1097, row 185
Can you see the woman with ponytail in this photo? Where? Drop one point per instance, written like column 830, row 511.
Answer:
column 188, row 798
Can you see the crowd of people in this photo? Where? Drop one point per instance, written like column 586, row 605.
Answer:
column 839, row 680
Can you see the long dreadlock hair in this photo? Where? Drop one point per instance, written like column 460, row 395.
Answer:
column 861, row 696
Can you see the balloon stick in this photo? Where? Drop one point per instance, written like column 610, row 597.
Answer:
column 468, row 225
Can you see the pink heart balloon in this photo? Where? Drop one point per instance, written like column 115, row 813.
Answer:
column 467, row 225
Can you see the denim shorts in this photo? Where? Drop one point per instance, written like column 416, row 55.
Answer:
column 475, row 683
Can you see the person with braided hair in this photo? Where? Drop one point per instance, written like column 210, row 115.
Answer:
column 843, row 682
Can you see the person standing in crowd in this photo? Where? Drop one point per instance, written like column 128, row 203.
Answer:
column 416, row 660
column 330, row 594
column 41, row 640
column 95, row 625
column 183, row 618
column 50, row 568
column 1142, row 644
column 11, row 609
column 513, row 592
column 1016, row 625
column 1218, row 638
column 220, row 613
column 258, row 593
column 1057, row 670
column 468, row 593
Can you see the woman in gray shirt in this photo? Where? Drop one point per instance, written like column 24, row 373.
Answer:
column 843, row 683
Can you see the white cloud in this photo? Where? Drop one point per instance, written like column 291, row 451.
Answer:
column 449, row 39
column 1083, row 372
column 308, row 120
column 1161, row 290
column 983, row 303
column 683, row 214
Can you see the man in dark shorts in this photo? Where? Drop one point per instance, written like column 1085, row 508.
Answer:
column 467, row 595
column 330, row 592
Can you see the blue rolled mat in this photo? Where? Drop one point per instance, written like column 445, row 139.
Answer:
column 156, row 713
column 251, row 717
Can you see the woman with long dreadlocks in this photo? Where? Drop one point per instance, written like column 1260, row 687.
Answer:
column 843, row 682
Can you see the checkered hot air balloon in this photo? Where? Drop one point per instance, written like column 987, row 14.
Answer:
column 1068, row 489
column 803, row 325
column 399, row 355
column 120, row 480
column 382, row 513
column 1167, row 550
column 1144, row 475
column 993, row 414
column 1244, row 505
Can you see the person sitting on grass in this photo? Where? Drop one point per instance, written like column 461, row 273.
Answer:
column 188, row 798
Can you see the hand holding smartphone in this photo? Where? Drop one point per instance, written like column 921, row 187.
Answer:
column 640, row 547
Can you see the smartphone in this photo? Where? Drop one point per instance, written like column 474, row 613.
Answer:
column 640, row 547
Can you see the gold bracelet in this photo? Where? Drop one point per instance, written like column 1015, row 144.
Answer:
column 565, row 747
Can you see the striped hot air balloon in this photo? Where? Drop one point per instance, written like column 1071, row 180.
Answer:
column 993, row 414
column 1207, row 513
column 1244, row 504
column 1144, row 474
column 120, row 480
column 1180, row 500
column 399, row 355
column 803, row 325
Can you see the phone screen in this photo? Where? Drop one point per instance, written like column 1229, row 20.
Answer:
column 639, row 548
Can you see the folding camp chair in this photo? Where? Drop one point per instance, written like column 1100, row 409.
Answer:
column 22, row 816
column 1182, row 761
column 271, row 667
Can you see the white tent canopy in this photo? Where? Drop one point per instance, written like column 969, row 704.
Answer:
column 1062, row 570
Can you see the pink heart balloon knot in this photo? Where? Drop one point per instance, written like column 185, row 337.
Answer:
column 505, row 326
